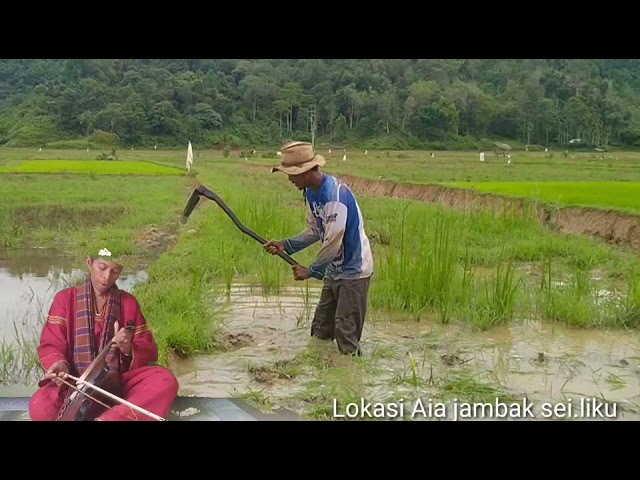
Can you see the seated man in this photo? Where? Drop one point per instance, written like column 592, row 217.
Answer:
column 81, row 321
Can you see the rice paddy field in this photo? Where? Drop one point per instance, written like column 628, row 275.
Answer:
column 93, row 167
column 466, row 304
column 620, row 196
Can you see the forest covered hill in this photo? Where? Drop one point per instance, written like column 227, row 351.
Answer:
column 371, row 103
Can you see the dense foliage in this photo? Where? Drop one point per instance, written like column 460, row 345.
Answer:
column 370, row 103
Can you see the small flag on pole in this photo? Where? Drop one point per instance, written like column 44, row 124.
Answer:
column 189, row 157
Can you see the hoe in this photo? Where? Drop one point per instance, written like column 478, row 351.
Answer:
column 201, row 190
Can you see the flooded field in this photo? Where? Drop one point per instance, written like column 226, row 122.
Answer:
column 487, row 275
column 271, row 360
column 265, row 354
column 259, row 329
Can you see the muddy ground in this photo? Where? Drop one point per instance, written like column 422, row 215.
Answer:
column 271, row 361
column 611, row 226
column 156, row 240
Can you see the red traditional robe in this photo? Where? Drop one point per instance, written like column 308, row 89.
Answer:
column 74, row 333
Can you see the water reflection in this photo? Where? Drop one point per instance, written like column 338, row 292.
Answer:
column 542, row 362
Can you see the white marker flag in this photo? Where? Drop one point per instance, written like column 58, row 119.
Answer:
column 189, row 157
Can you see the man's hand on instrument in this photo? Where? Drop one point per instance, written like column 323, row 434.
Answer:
column 57, row 371
column 123, row 339
column 300, row 273
column 274, row 246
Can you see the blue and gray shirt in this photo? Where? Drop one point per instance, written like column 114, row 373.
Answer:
column 334, row 218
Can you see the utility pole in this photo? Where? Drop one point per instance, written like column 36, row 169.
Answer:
column 313, row 122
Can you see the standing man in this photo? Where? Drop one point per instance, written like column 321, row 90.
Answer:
column 344, row 261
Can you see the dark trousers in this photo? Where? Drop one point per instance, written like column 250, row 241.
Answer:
column 341, row 312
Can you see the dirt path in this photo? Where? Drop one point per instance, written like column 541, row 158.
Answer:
column 611, row 226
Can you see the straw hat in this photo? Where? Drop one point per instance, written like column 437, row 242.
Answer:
column 297, row 158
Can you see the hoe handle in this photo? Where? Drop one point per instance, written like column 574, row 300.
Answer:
column 213, row 196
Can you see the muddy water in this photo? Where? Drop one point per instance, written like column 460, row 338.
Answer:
column 541, row 362
column 260, row 329
column 29, row 279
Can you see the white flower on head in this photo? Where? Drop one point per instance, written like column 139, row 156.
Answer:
column 104, row 253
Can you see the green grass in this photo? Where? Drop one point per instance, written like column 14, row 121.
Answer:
column 611, row 182
column 136, row 217
column 82, row 212
column 325, row 377
column 96, row 167
column 430, row 261
column 473, row 268
column 464, row 166
column 19, row 362
column 482, row 269
column 623, row 196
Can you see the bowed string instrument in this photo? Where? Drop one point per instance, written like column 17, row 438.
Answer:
column 77, row 404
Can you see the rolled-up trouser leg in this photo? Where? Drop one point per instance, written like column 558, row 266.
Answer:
column 351, row 312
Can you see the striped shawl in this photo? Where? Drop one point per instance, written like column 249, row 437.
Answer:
column 85, row 348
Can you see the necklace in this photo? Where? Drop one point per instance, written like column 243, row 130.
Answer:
column 99, row 312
